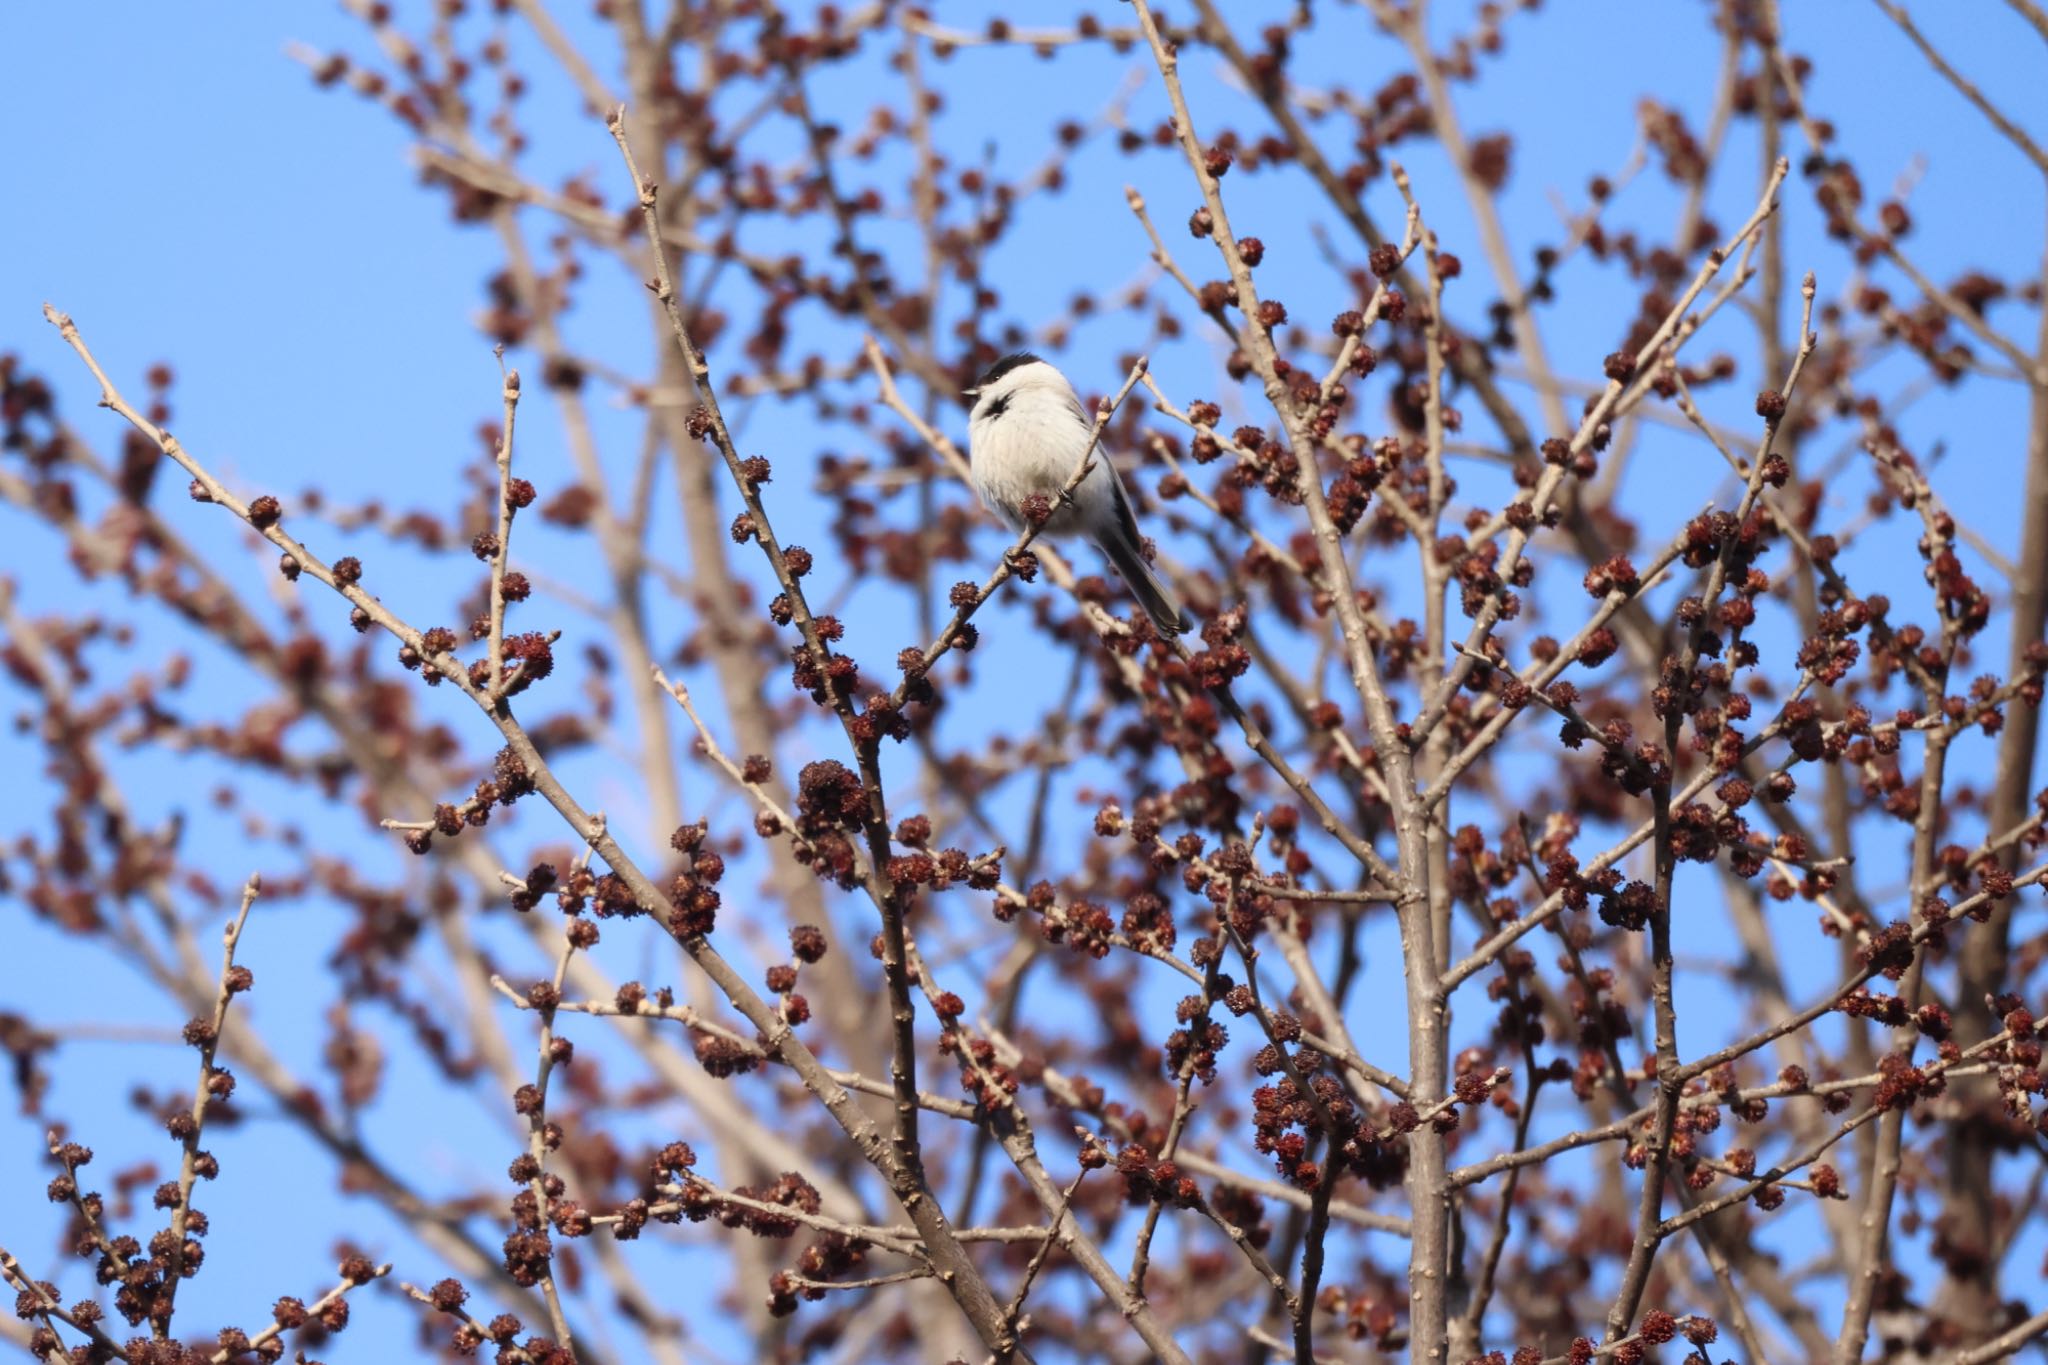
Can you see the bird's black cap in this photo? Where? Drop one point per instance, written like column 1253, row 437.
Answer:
column 1001, row 368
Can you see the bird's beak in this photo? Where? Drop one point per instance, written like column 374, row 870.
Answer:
column 971, row 393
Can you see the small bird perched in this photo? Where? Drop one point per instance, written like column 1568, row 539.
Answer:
column 1028, row 432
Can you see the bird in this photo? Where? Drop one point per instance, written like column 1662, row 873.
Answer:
column 1027, row 434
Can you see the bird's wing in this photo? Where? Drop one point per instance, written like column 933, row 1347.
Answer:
column 1126, row 520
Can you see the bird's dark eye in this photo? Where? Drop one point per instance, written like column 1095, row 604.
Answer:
column 997, row 407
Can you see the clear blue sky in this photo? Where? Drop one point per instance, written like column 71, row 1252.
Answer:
column 183, row 189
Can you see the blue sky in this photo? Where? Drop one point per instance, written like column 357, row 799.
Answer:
column 188, row 195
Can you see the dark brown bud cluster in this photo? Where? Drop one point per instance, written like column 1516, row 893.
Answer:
column 1148, row 1180
column 1081, row 926
column 693, row 892
column 830, row 801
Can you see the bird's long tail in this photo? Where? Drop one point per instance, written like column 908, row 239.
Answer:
column 1154, row 596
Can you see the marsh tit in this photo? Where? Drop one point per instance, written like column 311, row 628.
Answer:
column 1028, row 432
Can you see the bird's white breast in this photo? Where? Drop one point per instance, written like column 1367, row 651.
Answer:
column 1034, row 447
